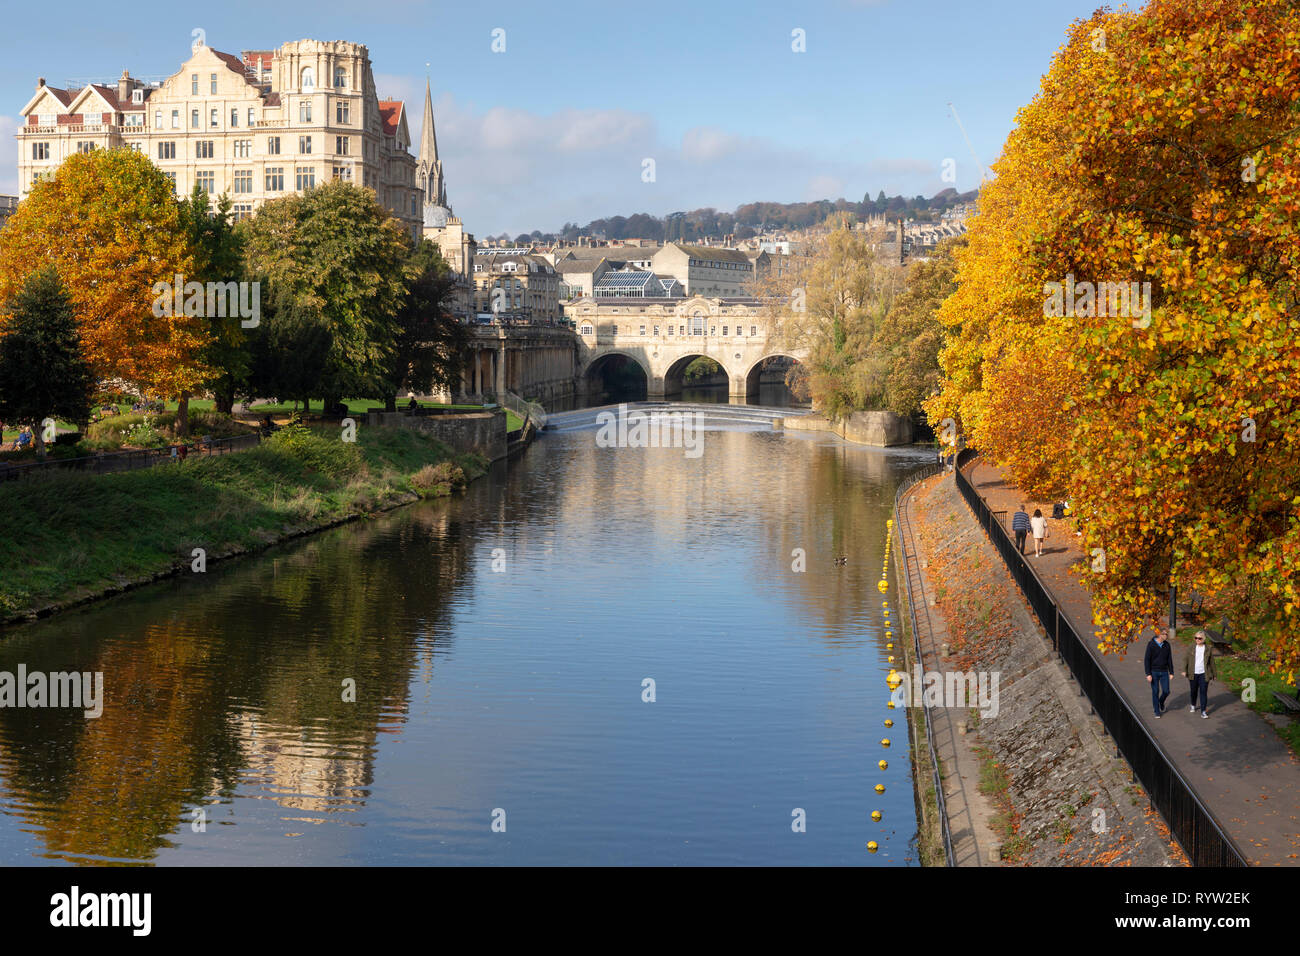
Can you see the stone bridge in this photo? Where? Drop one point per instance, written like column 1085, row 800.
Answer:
column 663, row 336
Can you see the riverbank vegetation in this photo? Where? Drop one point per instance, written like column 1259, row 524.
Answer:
column 868, row 324
column 318, row 294
column 1125, row 325
column 70, row 536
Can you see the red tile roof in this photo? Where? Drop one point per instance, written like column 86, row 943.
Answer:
column 63, row 96
column 391, row 113
column 232, row 61
column 255, row 58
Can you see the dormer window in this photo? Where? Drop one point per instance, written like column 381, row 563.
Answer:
column 308, row 78
column 137, row 96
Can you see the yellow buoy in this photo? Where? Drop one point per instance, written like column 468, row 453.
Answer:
column 884, row 764
column 890, row 705
column 876, row 815
column 889, row 646
column 891, row 658
column 884, row 741
column 889, row 721
column 872, row 847
column 880, row 788
column 889, row 522
column 884, row 604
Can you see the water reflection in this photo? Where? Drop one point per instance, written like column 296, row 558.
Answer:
column 497, row 646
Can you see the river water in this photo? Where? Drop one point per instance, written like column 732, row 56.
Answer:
column 499, row 645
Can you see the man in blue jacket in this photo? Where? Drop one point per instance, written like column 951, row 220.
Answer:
column 1158, row 663
column 1020, row 525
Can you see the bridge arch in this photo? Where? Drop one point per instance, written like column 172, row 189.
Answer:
column 612, row 376
column 674, row 375
column 770, row 370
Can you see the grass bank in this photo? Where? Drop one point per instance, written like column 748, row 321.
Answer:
column 71, row 537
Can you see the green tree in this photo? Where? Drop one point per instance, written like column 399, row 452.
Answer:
column 337, row 252
column 290, row 350
column 218, row 257
column 42, row 369
column 430, row 344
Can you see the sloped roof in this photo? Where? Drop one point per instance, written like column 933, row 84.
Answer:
column 391, row 113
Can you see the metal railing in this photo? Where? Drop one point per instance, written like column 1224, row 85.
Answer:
column 112, row 462
column 904, row 536
column 1192, row 824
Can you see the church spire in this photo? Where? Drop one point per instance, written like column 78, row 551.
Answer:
column 430, row 166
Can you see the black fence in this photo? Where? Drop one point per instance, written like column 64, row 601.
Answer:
column 1203, row 840
column 904, row 529
column 127, row 460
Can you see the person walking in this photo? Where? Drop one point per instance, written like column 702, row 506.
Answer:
column 1038, row 524
column 1198, row 668
column 1020, row 525
column 1158, row 663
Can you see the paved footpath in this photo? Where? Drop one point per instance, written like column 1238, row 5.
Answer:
column 1237, row 764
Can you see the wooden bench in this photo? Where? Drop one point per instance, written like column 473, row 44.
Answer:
column 1290, row 704
column 1192, row 604
column 1221, row 639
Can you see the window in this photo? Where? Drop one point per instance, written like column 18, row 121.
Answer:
column 234, row 116
column 341, row 145
column 242, row 210
column 670, row 329
column 216, row 118
column 340, row 77
column 157, row 119
column 308, row 78
column 304, row 144
column 172, row 177
column 273, row 145
column 85, row 147
column 724, row 330
column 697, row 324
column 304, row 111
column 713, row 330
column 305, row 178
column 342, row 111
column 243, row 148
column 167, row 150
column 137, row 147
column 194, row 119
column 194, row 84
column 176, row 119
column 252, row 117
column 40, row 150
column 203, row 149
column 642, row 332
column 753, row 330
column 212, row 83
column 345, row 173
column 614, row 329
column 656, row 330
column 274, row 179
column 587, row 330
column 243, row 180
column 206, row 180
column 133, row 119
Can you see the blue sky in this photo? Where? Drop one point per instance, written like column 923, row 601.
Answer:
column 556, row 127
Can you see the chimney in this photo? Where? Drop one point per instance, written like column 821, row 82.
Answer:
column 124, row 87
column 40, row 82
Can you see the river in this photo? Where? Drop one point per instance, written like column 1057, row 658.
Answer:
column 500, row 646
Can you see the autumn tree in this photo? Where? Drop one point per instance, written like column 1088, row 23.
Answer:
column 1162, row 158
column 42, row 370
column 110, row 225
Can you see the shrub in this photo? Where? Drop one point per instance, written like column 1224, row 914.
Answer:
column 436, row 481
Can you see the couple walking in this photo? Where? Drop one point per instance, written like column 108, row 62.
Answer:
column 1198, row 668
column 1022, row 524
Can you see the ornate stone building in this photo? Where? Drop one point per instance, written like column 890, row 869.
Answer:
column 257, row 127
